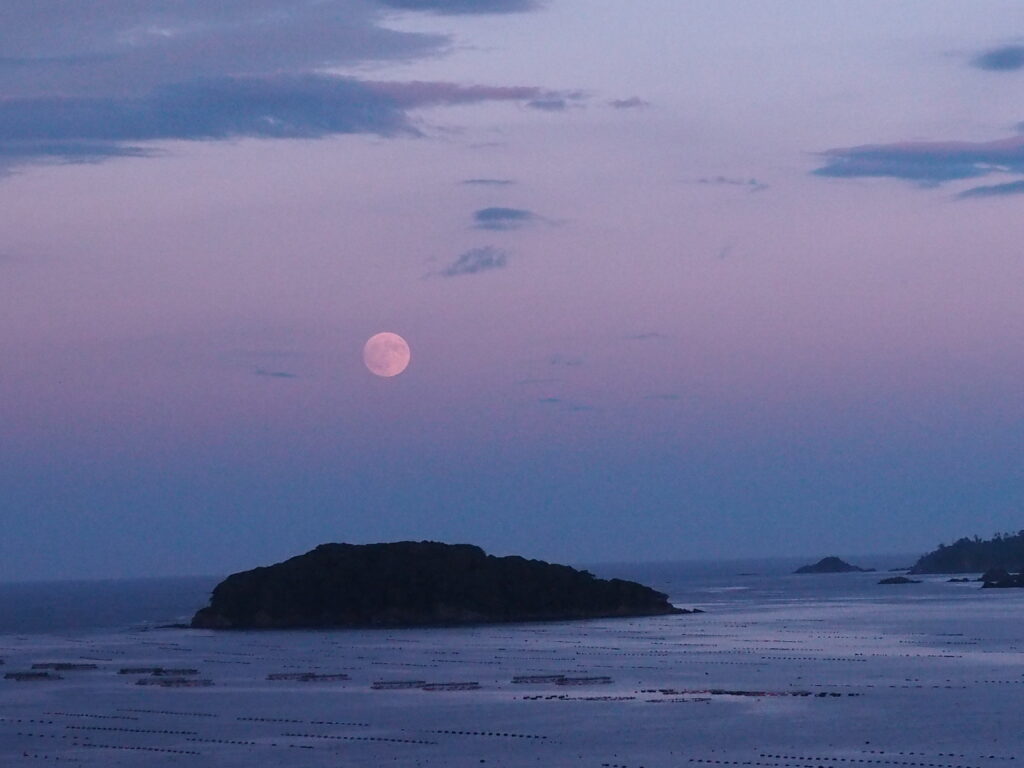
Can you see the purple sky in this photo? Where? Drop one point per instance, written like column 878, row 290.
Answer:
column 681, row 280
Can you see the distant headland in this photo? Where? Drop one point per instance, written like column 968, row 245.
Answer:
column 412, row 584
column 832, row 565
column 1005, row 551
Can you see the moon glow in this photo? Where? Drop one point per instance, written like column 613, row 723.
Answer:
column 386, row 354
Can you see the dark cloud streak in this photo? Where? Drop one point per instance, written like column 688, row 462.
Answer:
column 633, row 102
column 502, row 219
column 993, row 190
column 134, row 46
column 753, row 185
column 462, row 6
column 275, row 374
column 563, row 360
column 95, row 84
column 303, row 106
column 646, row 336
column 1006, row 58
column 475, row 261
column 551, row 104
column 925, row 162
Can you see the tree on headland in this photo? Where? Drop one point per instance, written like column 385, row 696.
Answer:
column 975, row 555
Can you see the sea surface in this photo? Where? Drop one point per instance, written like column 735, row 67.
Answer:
column 83, row 606
column 779, row 671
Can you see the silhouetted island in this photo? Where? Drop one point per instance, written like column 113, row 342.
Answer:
column 975, row 555
column 832, row 565
column 899, row 580
column 410, row 584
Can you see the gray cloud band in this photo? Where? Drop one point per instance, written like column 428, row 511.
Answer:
column 927, row 162
column 99, row 84
column 281, row 107
column 1006, row 58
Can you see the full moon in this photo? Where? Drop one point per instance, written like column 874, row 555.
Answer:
column 386, row 354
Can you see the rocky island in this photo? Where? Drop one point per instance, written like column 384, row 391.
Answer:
column 1004, row 551
column 899, row 580
column 412, row 584
column 832, row 565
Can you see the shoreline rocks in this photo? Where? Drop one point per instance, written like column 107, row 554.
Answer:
column 1002, row 580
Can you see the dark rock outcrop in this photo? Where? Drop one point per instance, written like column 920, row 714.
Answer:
column 408, row 584
column 995, row 574
column 974, row 555
column 831, row 565
column 899, row 580
column 1002, row 579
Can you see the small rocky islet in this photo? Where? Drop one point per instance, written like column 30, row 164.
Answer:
column 416, row 584
column 832, row 565
column 899, row 580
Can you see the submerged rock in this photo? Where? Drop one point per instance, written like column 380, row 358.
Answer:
column 407, row 584
column 831, row 565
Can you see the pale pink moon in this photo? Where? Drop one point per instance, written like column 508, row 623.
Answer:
column 386, row 354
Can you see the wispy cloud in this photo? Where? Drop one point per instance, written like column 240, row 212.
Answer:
column 926, row 162
column 750, row 184
column 488, row 182
column 463, row 6
column 275, row 374
column 565, row 361
column 633, row 102
column 502, row 218
column 565, row 405
column 646, row 336
column 557, row 101
column 427, row 93
column 13, row 153
column 993, row 190
column 476, row 260
column 1005, row 58
column 549, row 104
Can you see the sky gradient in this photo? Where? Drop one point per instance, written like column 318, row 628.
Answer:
column 681, row 280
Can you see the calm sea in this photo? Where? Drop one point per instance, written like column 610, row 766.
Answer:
column 82, row 606
column 86, row 606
